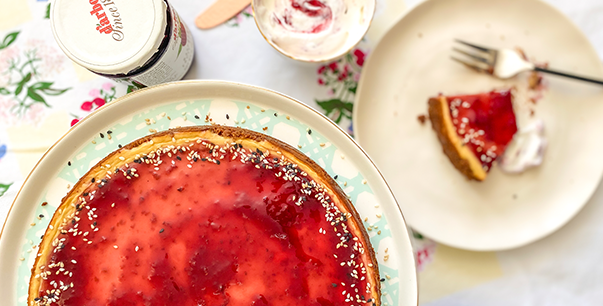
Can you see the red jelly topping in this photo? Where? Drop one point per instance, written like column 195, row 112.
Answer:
column 485, row 122
column 206, row 226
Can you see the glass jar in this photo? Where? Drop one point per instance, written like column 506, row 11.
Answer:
column 141, row 43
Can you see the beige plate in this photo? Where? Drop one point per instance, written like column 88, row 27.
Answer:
column 412, row 63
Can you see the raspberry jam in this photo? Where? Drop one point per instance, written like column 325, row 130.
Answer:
column 486, row 123
column 207, row 225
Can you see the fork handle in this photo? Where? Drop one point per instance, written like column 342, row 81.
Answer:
column 581, row 78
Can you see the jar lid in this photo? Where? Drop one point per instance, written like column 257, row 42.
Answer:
column 109, row 36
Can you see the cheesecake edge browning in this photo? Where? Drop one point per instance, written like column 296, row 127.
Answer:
column 458, row 153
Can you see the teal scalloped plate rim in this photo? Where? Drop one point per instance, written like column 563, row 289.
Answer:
column 197, row 103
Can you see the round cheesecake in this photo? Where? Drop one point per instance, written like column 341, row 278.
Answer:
column 206, row 215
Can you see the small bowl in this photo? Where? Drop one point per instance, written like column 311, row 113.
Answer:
column 313, row 30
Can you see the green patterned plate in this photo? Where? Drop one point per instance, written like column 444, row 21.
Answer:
column 191, row 103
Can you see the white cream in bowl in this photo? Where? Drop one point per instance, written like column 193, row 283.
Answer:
column 313, row 30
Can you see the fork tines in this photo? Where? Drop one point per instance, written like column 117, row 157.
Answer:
column 475, row 57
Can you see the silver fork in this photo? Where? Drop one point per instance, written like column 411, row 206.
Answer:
column 503, row 63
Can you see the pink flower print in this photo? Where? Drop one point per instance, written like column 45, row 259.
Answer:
column 7, row 57
column 322, row 69
column 51, row 60
column 341, row 79
column 100, row 97
column 94, row 92
column 107, row 86
column 333, row 66
column 236, row 20
column 424, row 256
column 344, row 73
column 425, row 250
column 98, row 102
column 244, row 13
column 90, row 105
column 359, row 57
column 86, row 106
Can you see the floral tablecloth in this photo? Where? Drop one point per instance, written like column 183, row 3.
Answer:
column 43, row 94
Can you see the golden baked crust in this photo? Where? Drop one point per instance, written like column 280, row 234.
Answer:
column 218, row 135
column 459, row 154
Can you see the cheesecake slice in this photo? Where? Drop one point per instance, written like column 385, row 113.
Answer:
column 207, row 215
column 474, row 130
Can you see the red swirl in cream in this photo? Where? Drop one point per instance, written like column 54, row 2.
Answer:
column 307, row 16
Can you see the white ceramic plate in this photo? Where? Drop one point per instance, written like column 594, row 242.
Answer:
column 188, row 103
column 412, row 63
